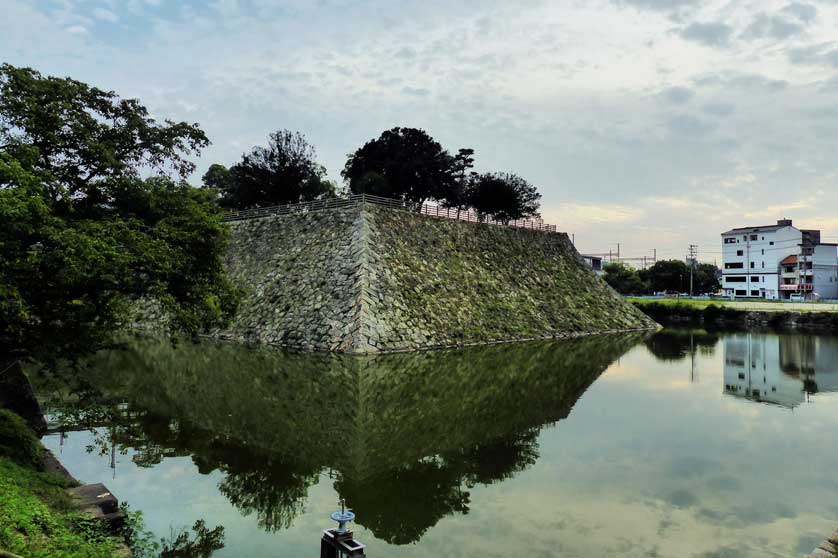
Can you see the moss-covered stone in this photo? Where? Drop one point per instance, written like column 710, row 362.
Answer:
column 367, row 279
column 17, row 441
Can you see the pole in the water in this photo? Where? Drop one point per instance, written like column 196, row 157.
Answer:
column 338, row 543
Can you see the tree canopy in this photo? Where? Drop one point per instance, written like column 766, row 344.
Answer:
column 505, row 197
column 624, row 279
column 285, row 171
column 663, row 276
column 84, row 231
column 408, row 164
column 217, row 178
column 402, row 163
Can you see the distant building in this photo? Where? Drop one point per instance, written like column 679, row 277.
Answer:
column 778, row 261
column 594, row 262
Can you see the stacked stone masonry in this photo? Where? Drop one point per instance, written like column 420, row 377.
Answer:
column 368, row 279
column 827, row 549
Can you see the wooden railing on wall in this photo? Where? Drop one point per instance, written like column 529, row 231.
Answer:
column 356, row 199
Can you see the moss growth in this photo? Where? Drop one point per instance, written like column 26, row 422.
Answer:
column 17, row 442
column 366, row 279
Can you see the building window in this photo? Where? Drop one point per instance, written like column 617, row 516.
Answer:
column 763, row 238
column 734, row 265
column 752, row 265
column 763, row 265
column 763, row 251
column 740, row 253
column 771, row 243
column 730, row 241
column 755, row 279
column 736, row 279
column 754, row 293
column 754, row 237
column 740, row 292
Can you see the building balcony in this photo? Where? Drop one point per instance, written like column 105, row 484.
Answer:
column 800, row 287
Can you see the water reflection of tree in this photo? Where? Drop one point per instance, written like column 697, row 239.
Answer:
column 271, row 489
column 401, row 505
column 408, row 435
column 673, row 345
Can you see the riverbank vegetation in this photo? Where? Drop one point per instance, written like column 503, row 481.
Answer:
column 37, row 516
column 95, row 214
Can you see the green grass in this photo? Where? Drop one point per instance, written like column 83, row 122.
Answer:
column 677, row 302
column 37, row 517
column 38, row 520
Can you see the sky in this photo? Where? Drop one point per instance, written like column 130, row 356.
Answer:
column 651, row 123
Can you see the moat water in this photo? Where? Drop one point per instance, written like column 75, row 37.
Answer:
column 683, row 443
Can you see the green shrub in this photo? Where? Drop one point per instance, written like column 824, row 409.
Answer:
column 18, row 442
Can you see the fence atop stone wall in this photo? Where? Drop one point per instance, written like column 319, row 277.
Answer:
column 468, row 216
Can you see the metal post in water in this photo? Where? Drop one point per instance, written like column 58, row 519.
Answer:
column 338, row 543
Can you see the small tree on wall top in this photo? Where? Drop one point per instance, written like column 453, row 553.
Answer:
column 505, row 197
column 285, row 171
column 402, row 163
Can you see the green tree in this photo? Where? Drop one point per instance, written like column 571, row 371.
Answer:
column 286, row 171
column 458, row 196
column 624, row 279
column 669, row 275
column 217, row 178
column 706, row 279
column 82, row 234
column 505, row 197
column 403, row 163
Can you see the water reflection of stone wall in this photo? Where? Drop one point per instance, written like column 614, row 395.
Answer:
column 779, row 369
column 405, row 434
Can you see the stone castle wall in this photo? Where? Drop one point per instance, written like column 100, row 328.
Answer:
column 368, row 279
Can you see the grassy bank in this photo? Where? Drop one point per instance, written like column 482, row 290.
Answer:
column 37, row 517
column 776, row 315
column 742, row 305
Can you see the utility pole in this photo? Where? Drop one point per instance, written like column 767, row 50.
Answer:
column 693, row 256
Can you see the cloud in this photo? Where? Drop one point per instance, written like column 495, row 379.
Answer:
column 825, row 54
column 76, row 30
column 709, row 34
column 103, row 14
column 416, row 91
column 767, row 26
column 718, row 109
column 678, row 95
column 659, row 5
column 804, row 12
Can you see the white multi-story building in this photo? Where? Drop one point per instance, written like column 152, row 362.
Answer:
column 778, row 261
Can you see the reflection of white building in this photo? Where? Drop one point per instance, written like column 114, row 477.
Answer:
column 779, row 369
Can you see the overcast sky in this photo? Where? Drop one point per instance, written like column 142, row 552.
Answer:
column 654, row 123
